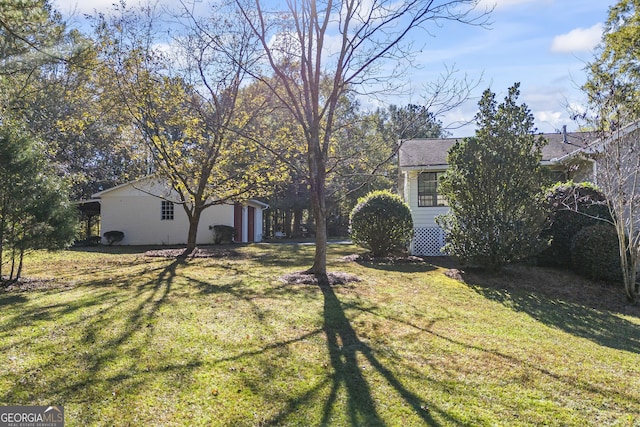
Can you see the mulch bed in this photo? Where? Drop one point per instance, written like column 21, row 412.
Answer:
column 207, row 252
column 396, row 259
column 341, row 278
column 32, row 284
column 303, row 278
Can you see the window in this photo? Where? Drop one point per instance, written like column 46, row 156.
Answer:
column 557, row 176
column 428, row 190
column 166, row 210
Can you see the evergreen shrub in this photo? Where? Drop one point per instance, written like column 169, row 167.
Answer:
column 382, row 223
column 113, row 236
column 572, row 207
column 223, row 234
column 595, row 253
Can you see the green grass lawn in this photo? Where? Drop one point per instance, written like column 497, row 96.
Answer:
column 122, row 339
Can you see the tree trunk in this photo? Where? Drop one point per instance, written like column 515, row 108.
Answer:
column 268, row 230
column 88, row 229
column 2, row 223
column 297, row 222
column 319, row 268
column 287, row 224
column 194, row 221
column 628, row 258
column 20, row 264
column 629, row 278
column 318, row 176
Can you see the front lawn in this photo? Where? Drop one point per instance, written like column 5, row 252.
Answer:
column 119, row 338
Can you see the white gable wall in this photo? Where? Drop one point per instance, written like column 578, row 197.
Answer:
column 137, row 214
column 139, row 218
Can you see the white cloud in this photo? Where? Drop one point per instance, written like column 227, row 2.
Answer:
column 578, row 40
column 549, row 121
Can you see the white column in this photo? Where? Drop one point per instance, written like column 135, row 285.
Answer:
column 258, row 224
column 245, row 224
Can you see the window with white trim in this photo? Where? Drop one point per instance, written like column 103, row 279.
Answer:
column 166, row 211
column 428, row 190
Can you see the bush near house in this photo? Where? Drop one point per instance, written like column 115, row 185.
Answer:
column 492, row 186
column 595, row 252
column 113, row 236
column 382, row 223
column 572, row 207
column 223, row 234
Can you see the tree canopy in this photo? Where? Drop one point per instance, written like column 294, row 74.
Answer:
column 189, row 106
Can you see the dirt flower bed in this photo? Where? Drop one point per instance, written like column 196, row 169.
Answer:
column 204, row 252
column 32, row 284
column 303, row 278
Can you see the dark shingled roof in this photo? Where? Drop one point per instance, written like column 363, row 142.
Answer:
column 433, row 152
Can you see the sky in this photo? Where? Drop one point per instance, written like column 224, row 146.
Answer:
column 543, row 44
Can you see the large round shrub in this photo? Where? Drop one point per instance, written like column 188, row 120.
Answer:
column 381, row 222
column 572, row 207
column 595, row 252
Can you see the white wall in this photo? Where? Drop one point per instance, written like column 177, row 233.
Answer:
column 422, row 216
column 137, row 214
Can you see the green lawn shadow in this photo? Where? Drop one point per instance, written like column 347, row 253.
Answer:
column 592, row 310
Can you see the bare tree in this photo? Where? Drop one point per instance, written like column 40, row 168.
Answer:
column 612, row 89
column 617, row 157
column 335, row 47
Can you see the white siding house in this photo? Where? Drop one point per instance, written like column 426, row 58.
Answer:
column 421, row 161
column 146, row 213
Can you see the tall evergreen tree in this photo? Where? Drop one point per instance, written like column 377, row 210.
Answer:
column 34, row 208
column 492, row 185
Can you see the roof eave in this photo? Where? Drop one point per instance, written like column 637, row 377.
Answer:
column 439, row 167
column 263, row 205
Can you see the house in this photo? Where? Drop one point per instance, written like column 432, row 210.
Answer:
column 423, row 161
column 147, row 212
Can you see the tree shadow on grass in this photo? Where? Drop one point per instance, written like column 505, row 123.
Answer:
column 12, row 299
column 601, row 327
column 95, row 352
column 344, row 347
column 565, row 301
column 401, row 263
column 570, row 381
